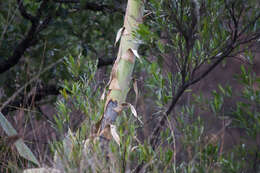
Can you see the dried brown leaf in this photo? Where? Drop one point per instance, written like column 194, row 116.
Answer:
column 136, row 90
column 114, row 134
column 135, row 52
column 119, row 34
column 135, row 113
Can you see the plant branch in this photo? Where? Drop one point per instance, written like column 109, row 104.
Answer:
column 93, row 6
column 10, row 99
column 39, row 94
column 6, row 64
column 25, row 14
column 156, row 133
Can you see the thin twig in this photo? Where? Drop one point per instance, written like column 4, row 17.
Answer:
column 8, row 23
column 28, row 83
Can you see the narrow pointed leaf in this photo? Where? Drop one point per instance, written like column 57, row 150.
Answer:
column 22, row 149
column 136, row 90
column 103, row 95
column 136, row 54
column 134, row 112
column 8, row 128
column 119, row 33
column 25, row 152
column 114, row 134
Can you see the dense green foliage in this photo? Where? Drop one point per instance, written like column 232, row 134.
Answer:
column 182, row 42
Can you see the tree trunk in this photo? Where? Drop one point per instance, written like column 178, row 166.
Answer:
column 121, row 73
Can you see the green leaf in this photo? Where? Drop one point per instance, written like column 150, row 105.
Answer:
column 25, row 152
column 160, row 46
column 22, row 149
column 221, row 89
column 8, row 128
